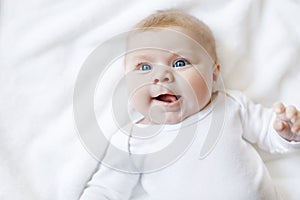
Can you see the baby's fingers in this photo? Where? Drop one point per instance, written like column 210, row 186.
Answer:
column 287, row 122
column 279, row 108
column 289, row 113
column 295, row 129
column 281, row 126
column 292, row 114
column 287, row 132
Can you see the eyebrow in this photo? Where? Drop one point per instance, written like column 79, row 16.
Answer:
column 172, row 55
column 182, row 53
column 143, row 56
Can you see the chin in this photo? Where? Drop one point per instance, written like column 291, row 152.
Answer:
column 174, row 119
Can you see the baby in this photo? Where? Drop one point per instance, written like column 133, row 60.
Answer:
column 188, row 140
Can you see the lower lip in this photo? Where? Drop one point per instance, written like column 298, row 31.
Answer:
column 169, row 104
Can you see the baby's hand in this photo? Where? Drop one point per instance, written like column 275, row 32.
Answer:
column 287, row 122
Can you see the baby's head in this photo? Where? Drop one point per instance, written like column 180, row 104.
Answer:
column 171, row 67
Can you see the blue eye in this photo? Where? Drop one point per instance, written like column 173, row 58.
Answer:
column 180, row 63
column 144, row 67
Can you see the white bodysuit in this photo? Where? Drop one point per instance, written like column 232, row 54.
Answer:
column 211, row 156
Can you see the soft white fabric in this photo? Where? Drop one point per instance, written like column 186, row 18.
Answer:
column 43, row 44
column 233, row 167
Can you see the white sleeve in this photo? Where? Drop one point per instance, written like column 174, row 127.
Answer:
column 258, row 127
column 110, row 184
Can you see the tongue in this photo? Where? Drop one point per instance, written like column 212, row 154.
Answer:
column 167, row 98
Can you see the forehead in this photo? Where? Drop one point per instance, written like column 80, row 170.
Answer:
column 174, row 40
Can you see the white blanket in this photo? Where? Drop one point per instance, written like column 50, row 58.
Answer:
column 43, row 44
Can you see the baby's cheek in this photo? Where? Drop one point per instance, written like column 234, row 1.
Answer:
column 136, row 81
column 202, row 90
column 139, row 99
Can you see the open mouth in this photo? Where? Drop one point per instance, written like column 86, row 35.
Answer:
column 167, row 98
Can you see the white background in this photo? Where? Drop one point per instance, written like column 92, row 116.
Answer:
column 43, row 44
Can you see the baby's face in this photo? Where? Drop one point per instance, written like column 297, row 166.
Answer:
column 169, row 76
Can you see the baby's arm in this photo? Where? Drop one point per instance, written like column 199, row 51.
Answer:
column 116, row 176
column 260, row 125
column 287, row 122
column 110, row 184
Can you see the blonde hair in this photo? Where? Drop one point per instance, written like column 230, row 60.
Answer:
column 168, row 18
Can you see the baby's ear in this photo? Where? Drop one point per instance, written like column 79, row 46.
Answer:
column 216, row 71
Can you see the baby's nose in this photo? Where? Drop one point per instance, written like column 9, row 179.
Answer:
column 163, row 76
